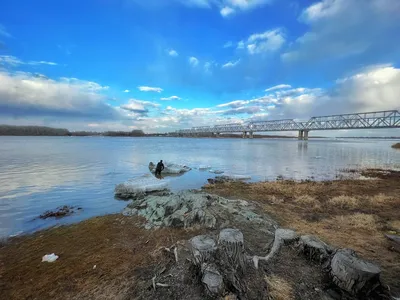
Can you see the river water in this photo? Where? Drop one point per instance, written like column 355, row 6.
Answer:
column 42, row 173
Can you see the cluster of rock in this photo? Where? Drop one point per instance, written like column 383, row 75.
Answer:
column 187, row 208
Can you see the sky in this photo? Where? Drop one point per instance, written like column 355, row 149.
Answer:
column 163, row 65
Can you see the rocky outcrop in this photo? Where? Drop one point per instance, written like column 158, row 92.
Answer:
column 187, row 209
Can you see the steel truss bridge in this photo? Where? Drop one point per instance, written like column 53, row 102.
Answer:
column 368, row 120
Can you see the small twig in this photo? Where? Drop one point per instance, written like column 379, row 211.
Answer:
column 162, row 271
column 162, row 284
column 176, row 253
column 154, row 282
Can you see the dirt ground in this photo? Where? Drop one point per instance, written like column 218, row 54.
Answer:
column 113, row 257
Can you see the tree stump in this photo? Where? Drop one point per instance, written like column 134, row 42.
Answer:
column 314, row 248
column 353, row 274
column 231, row 246
column 202, row 247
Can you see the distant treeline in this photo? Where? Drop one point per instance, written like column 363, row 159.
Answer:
column 48, row 131
column 32, row 130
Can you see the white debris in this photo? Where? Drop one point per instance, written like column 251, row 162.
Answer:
column 50, row 258
column 170, row 168
column 204, row 168
column 236, row 176
column 143, row 184
column 216, row 171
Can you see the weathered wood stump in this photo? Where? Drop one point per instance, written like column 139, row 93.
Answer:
column 202, row 247
column 231, row 246
column 353, row 274
column 314, row 248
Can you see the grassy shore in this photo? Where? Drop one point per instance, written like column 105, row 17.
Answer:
column 396, row 146
column 108, row 257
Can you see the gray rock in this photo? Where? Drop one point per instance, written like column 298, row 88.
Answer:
column 212, row 279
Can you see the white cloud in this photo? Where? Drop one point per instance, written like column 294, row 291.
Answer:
column 10, row 60
column 126, row 91
column 84, row 84
column 227, row 7
column 14, row 61
column 240, row 45
column 193, row 61
column 25, row 94
column 173, row 53
column 4, row 32
column 234, row 104
column 344, row 28
column 139, row 106
column 50, row 63
column 268, row 41
column 231, row 64
column 372, row 89
column 226, row 11
column 228, row 44
column 170, row 98
column 150, row 89
column 278, row 87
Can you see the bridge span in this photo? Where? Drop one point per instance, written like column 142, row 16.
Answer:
column 368, row 120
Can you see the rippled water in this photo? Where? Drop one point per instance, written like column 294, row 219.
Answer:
column 42, row 173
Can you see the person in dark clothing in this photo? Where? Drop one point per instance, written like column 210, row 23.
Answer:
column 159, row 168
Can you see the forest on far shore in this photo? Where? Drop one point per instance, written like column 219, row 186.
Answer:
column 12, row 130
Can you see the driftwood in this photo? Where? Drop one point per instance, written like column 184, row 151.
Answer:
column 282, row 236
column 353, row 274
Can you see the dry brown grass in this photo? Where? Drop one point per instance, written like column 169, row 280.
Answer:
column 344, row 202
column 396, row 146
column 310, row 202
column 279, row 288
column 354, row 213
column 359, row 221
column 379, row 199
column 113, row 243
column 395, row 225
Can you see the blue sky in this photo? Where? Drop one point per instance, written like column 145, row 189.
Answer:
column 160, row 65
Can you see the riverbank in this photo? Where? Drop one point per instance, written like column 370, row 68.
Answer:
column 114, row 257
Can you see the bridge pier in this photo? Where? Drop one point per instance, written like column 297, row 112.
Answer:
column 301, row 134
column 244, row 134
column 251, row 134
column 305, row 136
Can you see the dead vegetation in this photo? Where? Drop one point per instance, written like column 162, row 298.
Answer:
column 279, row 288
column 100, row 258
column 345, row 213
column 396, row 146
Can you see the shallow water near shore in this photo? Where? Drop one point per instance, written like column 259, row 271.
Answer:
column 42, row 173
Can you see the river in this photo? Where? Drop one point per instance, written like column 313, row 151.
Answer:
column 42, row 173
